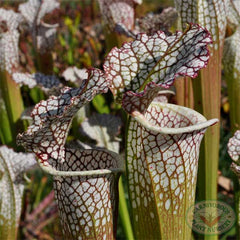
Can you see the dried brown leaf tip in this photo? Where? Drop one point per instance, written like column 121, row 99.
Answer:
column 9, row 37
column 156, row 59
column 118, row 12
column 88, row 204
column 34, row 11
column 12, row 167
column 52, row 118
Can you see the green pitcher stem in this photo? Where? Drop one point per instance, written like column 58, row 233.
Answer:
column 11, row 95
column 184, row 92
column 207, row 102
column 233, row 85
column 232, row 75
column 123, row 212
column 5, row 129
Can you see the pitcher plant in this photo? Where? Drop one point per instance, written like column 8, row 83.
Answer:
column 85, row 181
column 162, row 156
column 159, row 188
column 162, row 141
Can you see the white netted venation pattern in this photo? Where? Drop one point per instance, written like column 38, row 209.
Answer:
column 88, row 204
column 118, row 12
column 9, row 37
column 158, row 59
column 52, row 118
column 12, row 167
column 162, row 169
column 210, row 14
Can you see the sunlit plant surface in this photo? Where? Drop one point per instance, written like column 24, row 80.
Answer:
column 86, row 89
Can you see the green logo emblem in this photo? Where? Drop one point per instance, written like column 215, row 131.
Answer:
column 210, row 217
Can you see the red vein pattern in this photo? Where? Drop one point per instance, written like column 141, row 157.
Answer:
column 139, row 102
column 52, row 118
column 157, row 58
column 162, row 170
column 88, row 205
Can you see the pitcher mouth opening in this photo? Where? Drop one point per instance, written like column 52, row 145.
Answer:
column 197, row 122
column 99, row 171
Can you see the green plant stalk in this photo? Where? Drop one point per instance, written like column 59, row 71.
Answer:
column 232, row 75
column 207, row 92
column 184, row 92
column 233, row 85
column 5, row 129
column 123, row 212
column 36, row 94
column 11, row 95
column 41, row 186
column 206, row 89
